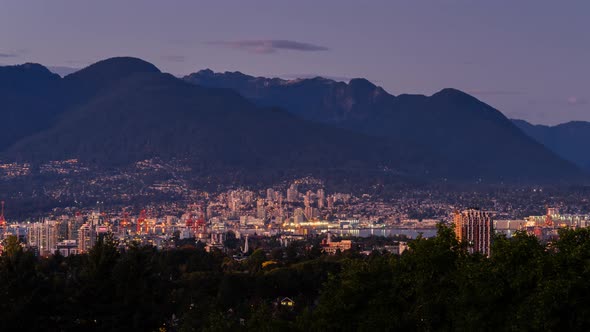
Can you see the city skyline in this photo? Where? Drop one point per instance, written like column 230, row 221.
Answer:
column 294, row 166
column 528, row 61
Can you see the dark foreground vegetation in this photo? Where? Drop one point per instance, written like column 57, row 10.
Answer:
column 434, row 286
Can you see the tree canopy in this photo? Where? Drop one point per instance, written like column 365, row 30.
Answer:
column 436, row 285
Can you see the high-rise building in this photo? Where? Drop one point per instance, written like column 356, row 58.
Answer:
column 44, row 236
column 321, row 198
column 298, row 216
column 260, row 209
column 49, row 237
column 307, row 202
column 330, row 202
column 292, row 193
column 74, row 225
column 270, row 195
column 62, row 229
column 474, row 227
column 86, row 237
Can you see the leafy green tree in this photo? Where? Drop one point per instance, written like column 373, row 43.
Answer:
column 12, row 246
column 255, row 260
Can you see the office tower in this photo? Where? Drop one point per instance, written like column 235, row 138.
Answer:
column 270, row 195
column 260, row 209
column 292, row 193
column 62, row 229
column 50, row 236
column 43, row 236
column 74, row 225
column 330, row 202
column 307, row 202
column 474, row 227
column 86, row 238
column 298, row 216
column 321, row 198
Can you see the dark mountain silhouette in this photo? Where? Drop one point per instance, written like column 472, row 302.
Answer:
column 466, row 137
column 569, row 140
column 316, row 99
column 29, row 101
column 122, row 110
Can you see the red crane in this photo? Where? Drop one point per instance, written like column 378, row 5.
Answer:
column 125, row 222
column 141, row 221
column 2, row 219
column 548, row 219
column 200, row 225
column 190, row 223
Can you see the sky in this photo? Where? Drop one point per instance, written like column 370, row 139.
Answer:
column 529, row 59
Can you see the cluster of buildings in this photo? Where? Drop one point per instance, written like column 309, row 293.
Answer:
column 68, row 235
column 241, row 212
column 331, row 247
column 476, row 227
column 78, row 234
column 303, row 209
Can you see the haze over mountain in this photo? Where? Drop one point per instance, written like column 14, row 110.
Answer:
column 470, row 136
column 569, row 140
column 63, row 70
column 122, row 110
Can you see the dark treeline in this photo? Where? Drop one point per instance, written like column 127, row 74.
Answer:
column 434, row 286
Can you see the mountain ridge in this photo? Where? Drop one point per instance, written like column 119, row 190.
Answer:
column 213, row 128
column 473, row 136
column 569, row 140
column 121, row 110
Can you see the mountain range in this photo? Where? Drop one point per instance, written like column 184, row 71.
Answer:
column 123, row 110
column 569, row 140
column 464, row 135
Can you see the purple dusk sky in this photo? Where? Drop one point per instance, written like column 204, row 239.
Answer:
column 529, row 59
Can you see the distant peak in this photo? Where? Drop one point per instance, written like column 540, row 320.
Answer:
column 312, row 80
column 206, row 72
column 450, row 92
column 364, row 85
column 27, row 74
column 34, row 66
column 115, row 68
column 454, row 95
column 30, row 67
column 129, row 62
column 361, row 83
column 236, row 74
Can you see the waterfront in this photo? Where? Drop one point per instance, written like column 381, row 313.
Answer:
column 410, row 233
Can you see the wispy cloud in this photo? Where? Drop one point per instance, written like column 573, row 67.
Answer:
column 173, row 58
column 4, row 54
column 269, row 46
column 8, row 55
column 575, row 101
